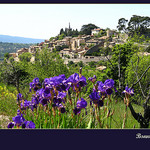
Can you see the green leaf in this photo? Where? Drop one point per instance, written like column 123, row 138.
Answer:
column 89, row 124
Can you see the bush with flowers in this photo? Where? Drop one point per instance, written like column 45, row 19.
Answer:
column 7, row 100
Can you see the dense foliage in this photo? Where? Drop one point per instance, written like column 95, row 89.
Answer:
column 119, row 61
column 137, row 65
column 11, row 48
column 136, row 24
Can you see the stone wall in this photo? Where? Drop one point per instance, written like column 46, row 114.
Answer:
column 87, row 59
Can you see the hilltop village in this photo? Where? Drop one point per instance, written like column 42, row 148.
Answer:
column 75, row 48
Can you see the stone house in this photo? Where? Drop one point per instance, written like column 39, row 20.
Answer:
column 65, row 51
column 95, row 31
column 12, row 55
column 22, row 50
column 76, row 42
column 92, row 41
column 110, row 33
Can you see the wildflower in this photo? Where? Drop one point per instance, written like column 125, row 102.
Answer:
column 76, row 81
column 19, row 97
column 128, row 91
column 57, row 80
column 92, row 79
column 34, row 102
column 109, row 85
column 61, row 108
column 94, row 97
column 43, row 101
column 81, row 104
column 77, row 111
column 18, row 112
column 101, row 87
column 106, row 87
column 35, row 84
column 28, row 124
column 57, row 101
column 25, row 104
column 18, row 120
column 11, row 125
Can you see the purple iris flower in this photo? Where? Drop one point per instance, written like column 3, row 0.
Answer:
column 109, row 91
column 18, row 120
column 46, row 92
column 18, row 112
column 61, row 108
column 25, row 104
column 55, row 81
column 62, row 87
column 94, row 97
column 57, row 101
column 61, row 94
column 109, row 85
column 101, row 87
column 28, row 124
column 44, row 101
column 39, row 92
column 35, row 85
column 43, row 93
column 77, row 110
column 106, row 87
column 100, row 103
column 19, row 97
column 11, row 125
column 34, row 102
column 46, row 82
column 81, row 104
column 92, row 79
column 76, row 81
column 129, row 91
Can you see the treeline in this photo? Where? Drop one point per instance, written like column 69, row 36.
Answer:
column 136, row 24
column 11, row 48
column 85, row 29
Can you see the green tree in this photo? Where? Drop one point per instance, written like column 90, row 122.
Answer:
column 70, row 63
column 116, row 66
column 137, row 37
column 6, row 55
column 138, row 24
column 86, row 29
column 61, row 31
column 48, row 64
column 137, row 65
column 25, row 57
column 92, row 64
column 80, row 64
column 122, row 22
column 13, row 73
column 60, row 37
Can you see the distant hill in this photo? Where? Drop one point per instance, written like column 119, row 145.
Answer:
column 11, row 48
column 16, row 39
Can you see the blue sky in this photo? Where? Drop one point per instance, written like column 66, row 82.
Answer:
column 46, row 20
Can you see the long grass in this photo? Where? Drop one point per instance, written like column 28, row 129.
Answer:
column 49, row 118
